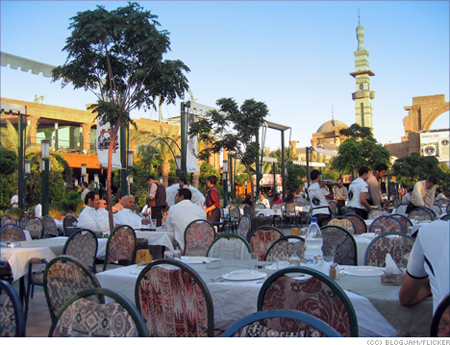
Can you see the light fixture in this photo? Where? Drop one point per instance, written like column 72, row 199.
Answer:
column 81, row 129
column 83, row 169
column 75, row 183
column 225, row 166
column 96, row 180
column 130, row 158
column 130, row 179
column 45, row 148
column 42, row 165
column 245, row 183
column 224, row 176
column 178, row 162
column 56, row 125
column 27, row 167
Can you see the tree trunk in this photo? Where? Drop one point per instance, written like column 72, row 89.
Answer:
column 195, row 180
column 165, row 170
column 108, row 174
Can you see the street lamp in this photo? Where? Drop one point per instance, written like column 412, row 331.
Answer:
column 245, row 184
column 45, row 168
column 225, row 182
column 129, row 169
column 56, row 136
column 83, row 172
column 97, row 182
column 130, row 182
column 178, row 166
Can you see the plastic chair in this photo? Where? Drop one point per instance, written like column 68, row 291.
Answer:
column 285, row 247
column 35, row 227
column 69, row 225
column 440, row 325
column 397, row 244
column 12, row 317
column 82, row 315
column 386, row 224
column 174, row 300
column 120, row 248
column 253, row 326
column 244, row 225
column 343, row 222
column 198, row 236
column 340, row 243
column 230, row 247
column 422, row 213
column 50, row 229
column 65, row 276
column 11, row 232
column 316, row 294
column 83, row 245
column 377, row 212
column 262, row 238
column 358, row 222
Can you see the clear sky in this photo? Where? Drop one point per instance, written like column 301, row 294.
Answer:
column 295, row 56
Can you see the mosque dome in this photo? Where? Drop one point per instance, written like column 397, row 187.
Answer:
column 329, row 125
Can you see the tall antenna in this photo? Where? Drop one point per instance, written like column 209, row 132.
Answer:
column 359, row 17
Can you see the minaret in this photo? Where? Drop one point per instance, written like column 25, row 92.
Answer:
column 362, row 74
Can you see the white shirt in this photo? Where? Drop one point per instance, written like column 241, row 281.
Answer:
column 84, row 193
column 265, row 202
column 95, row 220
column 128, row 217
column 406, row 197
column 354, row 193
column 14, row 199
column 419, row 193
column 374, row 191
column 179, row 217
column 431, row 254
column 38, row 210
column 319, row 202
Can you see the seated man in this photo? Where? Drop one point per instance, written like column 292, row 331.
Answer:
column 262, row 200
column 127, row 216
column 90, row 218
column 181, row 214
column 428, row 266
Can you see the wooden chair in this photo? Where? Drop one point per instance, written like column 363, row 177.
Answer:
column 86, row 314
column 254, row 325
column 174, row 300
column 317, row 295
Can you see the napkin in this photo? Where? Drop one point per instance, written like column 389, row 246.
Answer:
column 391, row 266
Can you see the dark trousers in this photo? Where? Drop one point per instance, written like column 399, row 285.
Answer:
column 157, row 213
column 410, row 207
column 359, row 211
column 322, row 219
column 214, row 216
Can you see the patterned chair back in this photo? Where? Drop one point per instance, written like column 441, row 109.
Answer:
column 440, row 326
column 318, row 296
column 262, row 238
column 64, row 276
column 35, row 227
column 358, row 222
column 340, row 243
column 377, row 212
column 244, row 225
column 289, row 209
column 11, row 313
column 50, row 229
column 333, row 207
column 23, row 220
column 234, row 213
column 260, row 207
column 253, row 325
column 9, row 220
column 11, row 232
column 70, row 225
column 83, row 245
column 121, row 246
column 230, row 247
column 397, row 244
column 83, row 316
column 198, row 236
column 406, row 223
column 287, row 246
column 249, row 210
column 3, row 219
column 437, row 208
column 174, row 300
column 343, row 222
column 386, row 224
column 401, row 209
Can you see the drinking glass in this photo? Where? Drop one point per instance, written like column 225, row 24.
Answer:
column 377, row 232
column 328, row 260
column 282, row 262
column 252, row 260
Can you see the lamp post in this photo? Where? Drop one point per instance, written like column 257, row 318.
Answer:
column 45, row 168
column 97, row 182
column 83, row 172
column 56, row 136
column 129, row 170
column 245, row 185
column 130, row 182
column 178, row 169
column 231, row 187
column 225, row 182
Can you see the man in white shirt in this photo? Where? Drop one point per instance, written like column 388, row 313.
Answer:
column 15, row 199
column 374, row 197
column 262, row 200
column 90, row 218
column 428, row 266
column 358, row 189
column 127, row 216
column 84, row 191
column 407, row 197
column 341, row 195
column 181, row 214
column 319, row 198
column 423, row 194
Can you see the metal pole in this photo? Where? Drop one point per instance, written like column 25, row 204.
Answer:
column 274, row 180
column 225, row 189
column 307, row 165
column 183, row 127
column 45, row 196
column 282, row 164
column 230, row 160
column 20, row 162
column 123, row 160
column 257, row 165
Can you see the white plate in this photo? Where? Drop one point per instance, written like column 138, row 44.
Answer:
column 243, row 275
column 10, row 244
column 364, row 271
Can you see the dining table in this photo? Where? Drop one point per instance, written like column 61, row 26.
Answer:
column 376, row 306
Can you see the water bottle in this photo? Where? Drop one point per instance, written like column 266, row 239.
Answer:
column 313, row 242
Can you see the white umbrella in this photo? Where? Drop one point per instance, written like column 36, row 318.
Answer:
column 197, row 197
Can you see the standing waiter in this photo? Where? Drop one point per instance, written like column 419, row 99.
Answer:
column 212, row 201
column 156, row 199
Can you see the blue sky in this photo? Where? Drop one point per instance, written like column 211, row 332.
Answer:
column 295, row 56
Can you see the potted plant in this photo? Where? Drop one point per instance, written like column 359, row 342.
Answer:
column 71, row 204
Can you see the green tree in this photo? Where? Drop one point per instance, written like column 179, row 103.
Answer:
column 234, row 129
column 118, row 55
column 10, row 139
column 413, row 168
column 357, row 132
column 8, row 161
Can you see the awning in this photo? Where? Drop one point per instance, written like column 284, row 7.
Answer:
column 11, row 108
column 326, row 152
column 26, row 64
column 311, row 164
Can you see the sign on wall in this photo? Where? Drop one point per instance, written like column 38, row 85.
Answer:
column 103, row 140
column 435, row 144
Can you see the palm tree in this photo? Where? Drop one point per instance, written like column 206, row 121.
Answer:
column 165, row 152
column 10, row 139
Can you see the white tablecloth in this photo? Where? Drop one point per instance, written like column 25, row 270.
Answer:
column 234, row 300
column 157, row 238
